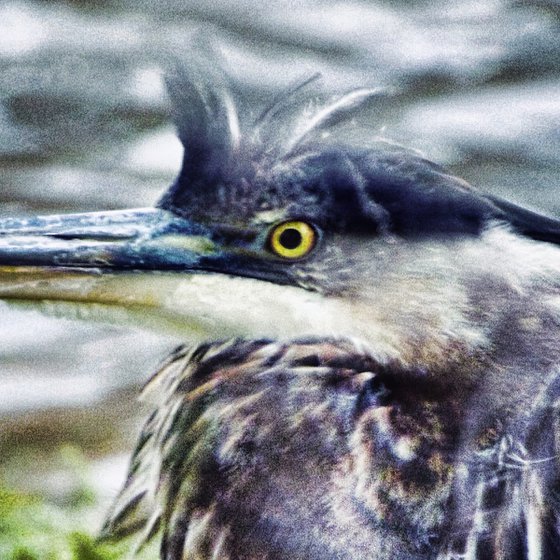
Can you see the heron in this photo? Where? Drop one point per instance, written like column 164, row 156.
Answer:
column 381, row 375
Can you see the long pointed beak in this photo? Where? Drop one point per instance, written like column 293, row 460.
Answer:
column 143, row 266
column 95, row 258
column 143, row 239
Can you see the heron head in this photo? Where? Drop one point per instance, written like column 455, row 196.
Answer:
column 280, row 225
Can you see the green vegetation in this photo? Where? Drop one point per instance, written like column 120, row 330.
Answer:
column 33, row 529
column 37, row 527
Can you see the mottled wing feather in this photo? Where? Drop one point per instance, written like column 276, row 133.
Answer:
column 137, row 509
column 312, row 449
column 507, row 504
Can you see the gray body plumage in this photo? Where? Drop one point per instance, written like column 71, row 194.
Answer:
column 427, row 428
column 405, row 405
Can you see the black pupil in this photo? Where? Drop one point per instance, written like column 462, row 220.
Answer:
column 290, row 238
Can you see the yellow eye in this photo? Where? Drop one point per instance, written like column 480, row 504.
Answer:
column 292, row 240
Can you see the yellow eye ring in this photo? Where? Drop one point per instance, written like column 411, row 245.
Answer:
column 292, row 240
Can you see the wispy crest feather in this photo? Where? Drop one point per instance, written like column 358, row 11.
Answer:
column 205, row 115
column 209, row 123
column 341, row 109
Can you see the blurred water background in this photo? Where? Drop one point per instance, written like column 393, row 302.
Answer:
column 84, row 125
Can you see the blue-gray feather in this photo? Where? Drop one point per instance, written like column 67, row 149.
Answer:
column 283, row 156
